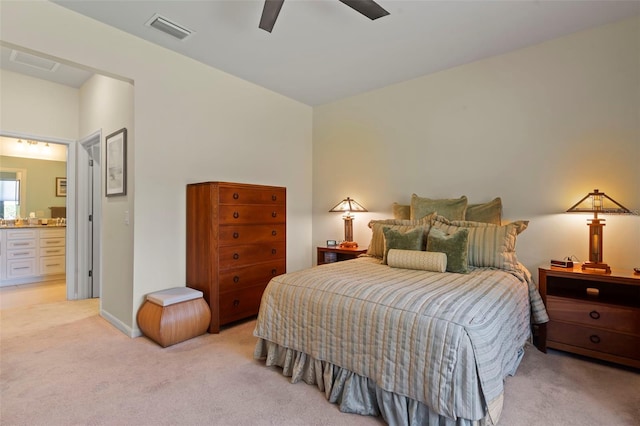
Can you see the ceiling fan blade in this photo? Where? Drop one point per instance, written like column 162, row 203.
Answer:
column 270, row 14
column 368, row 8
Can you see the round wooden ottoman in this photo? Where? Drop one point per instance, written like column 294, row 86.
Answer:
column 174, row 315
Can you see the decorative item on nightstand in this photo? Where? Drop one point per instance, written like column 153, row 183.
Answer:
column 597, row 202
column 348, row 206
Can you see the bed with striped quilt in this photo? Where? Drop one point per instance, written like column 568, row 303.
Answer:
column 416, row 347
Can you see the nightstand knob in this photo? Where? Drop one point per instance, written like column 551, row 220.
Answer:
column 236, row 235
column 594, row 338
column 236, row 215
column 236, row 303
column 274, row 214
column 274, row 232
column 236, row 195
column 273, row 251
column 274, row 197
column 236, row 279
column 594, row 314
column 274, row 271
column 236, row 256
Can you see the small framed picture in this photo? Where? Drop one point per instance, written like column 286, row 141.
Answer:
column 61, row 187
column 116, row 168
column 332, row 243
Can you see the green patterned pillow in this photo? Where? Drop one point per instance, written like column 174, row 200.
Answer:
column 452, row 209
column 376, row 246
column 401, row 211
column 490, row 212
column 410, row 240
column 454, row 245
column 489, row 245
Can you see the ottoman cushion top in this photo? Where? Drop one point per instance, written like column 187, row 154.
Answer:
column 173, row 295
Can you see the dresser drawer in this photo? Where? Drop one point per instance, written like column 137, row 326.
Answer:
column 21, row 234
column 52, row 242
column 240, row 304
column 21, row 253
column 52, row 265
column 593, row 314
column 52, row 251
column 21, row 268
column 236, row 279
column 249, row 234
column 595, row 339
column 245, row 255
column 52, row 233
column 21, row 244
column 252, row 214
column 239, row 195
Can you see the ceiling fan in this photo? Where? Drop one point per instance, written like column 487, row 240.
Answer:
column 368, row 8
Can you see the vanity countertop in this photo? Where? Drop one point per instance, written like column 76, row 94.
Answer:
column 32, row 226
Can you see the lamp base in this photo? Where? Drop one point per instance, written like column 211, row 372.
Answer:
column 596, row 265
column 348, row 244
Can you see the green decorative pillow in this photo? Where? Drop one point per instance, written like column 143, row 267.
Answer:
column 455, row 246
column 490, row 212
column 489, row 245
column 452, row 209
column 376, row 246
column 410, row 240
column 401, row 211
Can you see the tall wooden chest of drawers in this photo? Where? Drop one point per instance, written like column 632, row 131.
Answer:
column 592, row 313
column 236, row 242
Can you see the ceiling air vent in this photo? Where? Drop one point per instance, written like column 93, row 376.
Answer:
column 166, row 26
column 33, row 61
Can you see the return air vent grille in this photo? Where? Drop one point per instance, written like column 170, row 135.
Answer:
column 33, row 61
column 166, row 26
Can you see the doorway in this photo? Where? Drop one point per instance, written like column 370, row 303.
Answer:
column 89, row 216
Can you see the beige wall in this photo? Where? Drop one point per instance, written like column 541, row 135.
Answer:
column 192, row 123
column 540, row 127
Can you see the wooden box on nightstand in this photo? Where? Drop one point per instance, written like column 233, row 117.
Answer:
column 592, row 313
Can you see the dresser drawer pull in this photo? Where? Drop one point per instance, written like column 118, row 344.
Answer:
column 594, row 338
column 21, row 253
column 20, row 244
column 236, row 256
column 236, row 235
column 594, row 314
column 274, row 232
column 274, row 271
column 21, row 267
column 274, row 197
column 274, row 251
column 274, row 214
column 593, row 292
column 236, row 215
column 52, row 264
column 236, row 279
column 236, row 195
column 236, row 303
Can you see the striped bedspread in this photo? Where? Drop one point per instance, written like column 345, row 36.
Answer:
column 446, row 340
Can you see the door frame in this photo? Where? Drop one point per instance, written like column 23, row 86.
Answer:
column 71, row 230
column 85, row 205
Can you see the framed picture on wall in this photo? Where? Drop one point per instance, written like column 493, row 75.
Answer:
column 61, row 187
column 116, row 163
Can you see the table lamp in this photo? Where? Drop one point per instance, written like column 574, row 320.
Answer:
column 597, row 202
column 348, row 206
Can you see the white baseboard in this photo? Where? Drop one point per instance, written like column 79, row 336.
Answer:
column 131, row 332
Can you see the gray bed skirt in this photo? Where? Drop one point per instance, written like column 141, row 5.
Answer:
column 354, row 393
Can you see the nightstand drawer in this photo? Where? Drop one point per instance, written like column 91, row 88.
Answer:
column 611, row 317
column 595, row 339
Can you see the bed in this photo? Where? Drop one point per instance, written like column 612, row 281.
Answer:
column 415, row 346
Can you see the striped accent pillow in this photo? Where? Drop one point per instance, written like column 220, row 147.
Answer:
column 413, row 259
column 489, row 245
column 376, row 246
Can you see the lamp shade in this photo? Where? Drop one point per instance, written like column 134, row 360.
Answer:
column 598, row 202
column 348, row 205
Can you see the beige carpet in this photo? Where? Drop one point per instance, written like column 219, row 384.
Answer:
column 62, row 364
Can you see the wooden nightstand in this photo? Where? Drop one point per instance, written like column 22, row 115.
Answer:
column 592, row 313
column 338, row 254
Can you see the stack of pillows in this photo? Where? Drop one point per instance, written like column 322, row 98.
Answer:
column 446, row 235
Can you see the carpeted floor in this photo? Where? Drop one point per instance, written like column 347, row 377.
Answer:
column 62, row 364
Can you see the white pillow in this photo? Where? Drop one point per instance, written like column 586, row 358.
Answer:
column 415, row 259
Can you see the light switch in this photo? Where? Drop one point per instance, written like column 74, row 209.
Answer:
column 126, row 217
